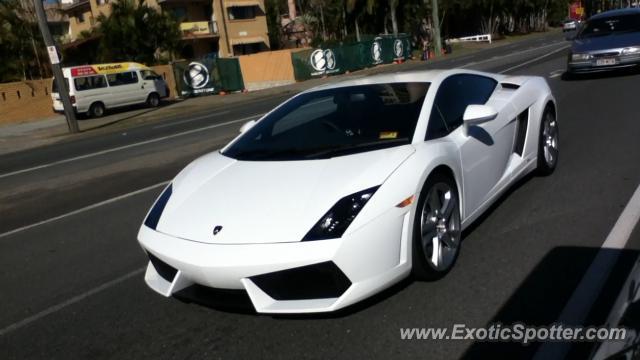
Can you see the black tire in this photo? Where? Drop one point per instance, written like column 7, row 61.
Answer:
column 423, row 268
column 153, row 100
column 96, row 110
column 548, row 143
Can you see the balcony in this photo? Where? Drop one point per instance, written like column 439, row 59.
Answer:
column 162, row 2
column 75, row 5
column 199, row 29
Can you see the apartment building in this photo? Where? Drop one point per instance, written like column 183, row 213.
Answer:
column 209, row 27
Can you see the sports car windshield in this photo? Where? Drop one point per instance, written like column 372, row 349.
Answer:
column 611, row 25
column 335, row 122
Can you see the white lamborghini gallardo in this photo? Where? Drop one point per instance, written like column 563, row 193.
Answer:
column 347, row 188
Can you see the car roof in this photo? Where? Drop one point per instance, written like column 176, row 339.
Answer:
column 427, row 76
column 616, row 12
column 405, row 76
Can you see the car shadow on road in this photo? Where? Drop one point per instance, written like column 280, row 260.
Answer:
column 601, row 75
column 85, row 125
column 542, row 296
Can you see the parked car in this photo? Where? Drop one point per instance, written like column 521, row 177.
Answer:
column 607, row 41
column 348, row 188
column 570, row 24
column 95, row 88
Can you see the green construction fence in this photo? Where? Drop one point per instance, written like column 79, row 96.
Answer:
column 332, row 60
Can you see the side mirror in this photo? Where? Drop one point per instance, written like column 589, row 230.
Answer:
column 477, row 114
column 246, row 126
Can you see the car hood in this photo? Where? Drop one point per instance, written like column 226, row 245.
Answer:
column 267, row 201
column 606, row 42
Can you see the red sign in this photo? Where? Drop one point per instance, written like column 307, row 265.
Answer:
column 576, row 10
column 82, row 71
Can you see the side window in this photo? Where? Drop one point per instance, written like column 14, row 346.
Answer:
column 124, row 78
column 454, row 95
column 149, row 75
column 89, row 82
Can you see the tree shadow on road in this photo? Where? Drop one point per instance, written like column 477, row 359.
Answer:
column 542, row 296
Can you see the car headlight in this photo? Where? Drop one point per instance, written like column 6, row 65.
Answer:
column 156, row 211
column 580, row 57
column 631, row 50
column 334, row 223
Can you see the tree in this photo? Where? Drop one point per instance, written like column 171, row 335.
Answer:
column 135, row 32
column 21, row 46
column 393, row 4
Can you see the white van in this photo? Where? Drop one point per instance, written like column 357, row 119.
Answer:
column 96, row 88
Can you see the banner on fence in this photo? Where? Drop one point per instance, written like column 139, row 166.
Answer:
column 333, row 60
column 208, row 76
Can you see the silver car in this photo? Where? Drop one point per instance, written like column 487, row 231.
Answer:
column 607, row 41
column 570, row 25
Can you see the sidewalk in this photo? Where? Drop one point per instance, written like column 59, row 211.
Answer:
column 23, row 136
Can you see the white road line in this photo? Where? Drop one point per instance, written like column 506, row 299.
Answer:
column 534, row 59
column 81, row 210
column 107, row 151
column 509, row 55
column 579, row 305
column 556, row 73
column 191, row 119
column 24, row 322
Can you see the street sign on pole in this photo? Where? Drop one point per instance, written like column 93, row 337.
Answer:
column 63, row 88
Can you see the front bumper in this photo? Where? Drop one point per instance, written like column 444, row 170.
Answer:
column 344, row 270
column 591, row 66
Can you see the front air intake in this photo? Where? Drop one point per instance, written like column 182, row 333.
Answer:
column 318, row 281
column 163, row 269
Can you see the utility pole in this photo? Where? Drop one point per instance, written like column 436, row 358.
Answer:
column 436, row 28
column 63, row 88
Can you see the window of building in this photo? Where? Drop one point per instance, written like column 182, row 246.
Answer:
column 80, row 17
column 242, row 12
column 179, row 13
column 246, row 49
column 123, row 78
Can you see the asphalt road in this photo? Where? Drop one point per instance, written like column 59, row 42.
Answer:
column 73, row 287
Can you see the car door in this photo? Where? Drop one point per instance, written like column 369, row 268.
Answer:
column 126, row 88
column 90, row 89
column 153, row 82
column 485, row 151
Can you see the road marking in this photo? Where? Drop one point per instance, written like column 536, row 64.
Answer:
column 24, row 322
column 534, row 59
column 191, row 119
column 81, row 210
column 494, row 58
column 579, row 305
column 107, row 151
column 556, row 73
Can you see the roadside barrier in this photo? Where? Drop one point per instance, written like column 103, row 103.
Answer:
column 208, row 76
column 474, row 38
column 332, row 60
